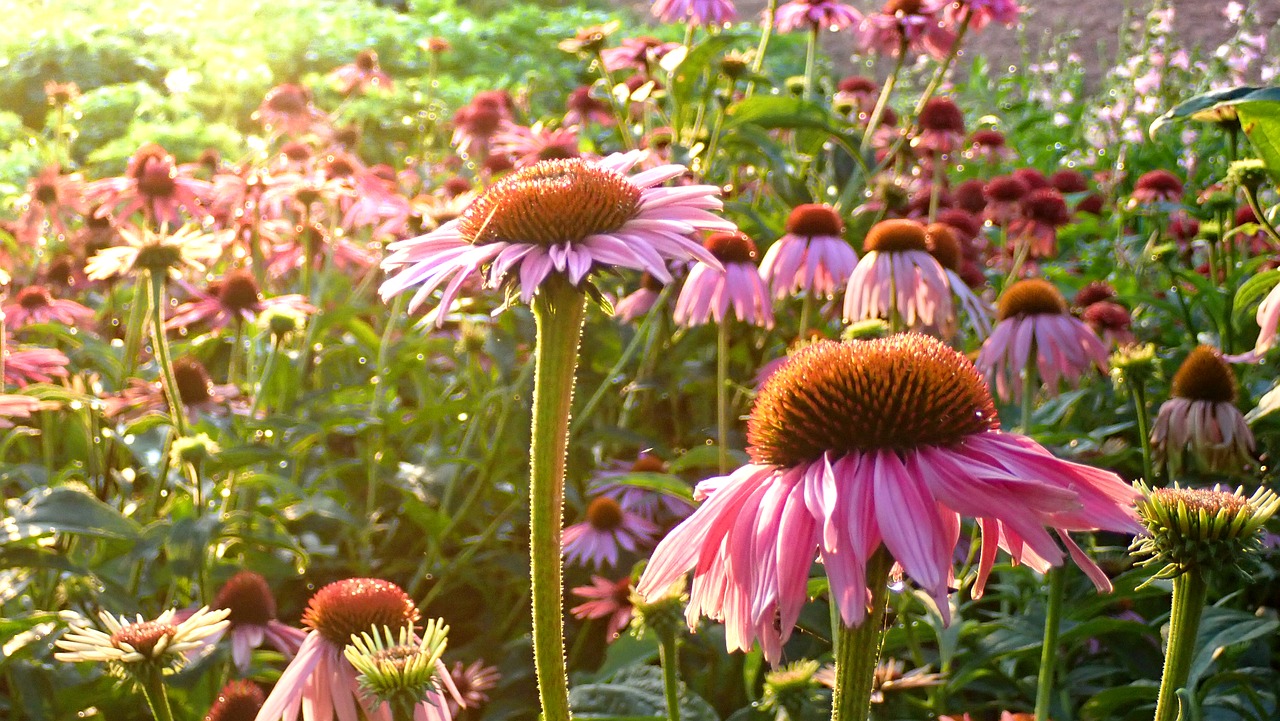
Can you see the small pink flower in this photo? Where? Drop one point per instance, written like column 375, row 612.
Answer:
column 529, row 146
column 941, row 127
column 897, row 277
column 1157, row 186
column 234, row 298
column 473, row 682
column 709, row 292
column 33, row 365
column 153, row 184
column 288, row 108
column 694, row 12
column 34, row 304
column 650, row 504
column 1200, row 425
column 52, row 200
column 608, row 529
column 637, row 54
column 1034, row 326
column 252, row 621
column 362, row 75
column 606, row 599
column 910, row 25
column 640, row 301
column 582, row 109
column 813, row 257
column 806, row 14
column 1111, row 321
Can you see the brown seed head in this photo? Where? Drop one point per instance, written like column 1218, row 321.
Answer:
column 1200, row 499
column 194, row 384
column 1105, row 315
column 1034, row 179
column 237, row 701
column 1045, row 205
column 649, row 463
column 604, row 514
column 944, row 246
column 288, row 99
column 345, row 608
column 34, row 297
column 1069, row 181
column 735, row 247
column 153, row 169
column 942, row 115
column 988, row 138
column 895, row 236
column 1004, row 189
column 143, row 636
column 1159, row 183
column 812, row 219
column 367, row 60
column 1031, row 296
column 239, row 291
column 1204, row 376
column 1093, row 292
column 901, row 392
column 905, row 7
column 249, row 599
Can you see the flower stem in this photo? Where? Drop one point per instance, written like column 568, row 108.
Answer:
column 722, row 393
column 1139, row 395
column 806, row 311
column 152, row 684
column 811, row 61
column 1049, row 650
column 858, row 650
column 883, row 101
column 1189, row 591
column 766, row 32
column 264, row 380
column 668, row 656
column 558, row 311
column 589, row 408
column 160, row 347
column 137, row 326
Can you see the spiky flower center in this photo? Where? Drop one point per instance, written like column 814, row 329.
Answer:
column 1069, row 181
column 239, row 291
column 1200, row 530
column 942, row 115
column 1161, row 183
column 604, row 514
column 988, row 138
column 895, row 236
column 649, row 463
column 550, row 203
column 158, row 255
column 1107, row 316
column 900, row 393
column 367, row 60
column 345, row 608
column 1005, row 189
column 812, row 219
column 46, row 193
column 944, row 246
column 249, row 599
column 733, row 247
column 237, row 701
column 194, row 384
column 1031, row 296
column 1095, row 291
column 1205, row 376
column 144, row 637
column 288, row 99
column 1199, row 500
column 34, row 297
column 1045, row 205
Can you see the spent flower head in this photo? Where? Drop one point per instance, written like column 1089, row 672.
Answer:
column 398, row 668
column 1133, row 363
column 1200, row 530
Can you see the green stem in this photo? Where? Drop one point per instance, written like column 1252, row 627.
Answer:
column 558, row 311
column 806, row 312
column 1252, row 198
column 722, row 393
column 619, row 110
column 152, row 684
column 766, row 32
column 375, row 406
column 811, row 62
column 1189, row 591
column 669, row 658
column 160, row 347
column 628, row 353
column 1049, row 649
column 1139, row 396
column 137, row 325
column 268, row 370
column 858, row 650
column 883, row 101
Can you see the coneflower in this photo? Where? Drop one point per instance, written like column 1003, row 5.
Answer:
column 898, row 280
column 1200, row 422
column 812, row 257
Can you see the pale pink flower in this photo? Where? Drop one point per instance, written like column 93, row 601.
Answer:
column 1268, row 318
column 897, row 277
column 694, row 12
column 1034, row 326
column 473, row 682
column 53, row 200
column 362, row 75
column 34, row 304
column 288, row 108
column 871, row 447
column 982, row 12
column 812, row 257
column 234, row 298
column 709, row 292
column 252, row 620
column 606, row 599
column 321, row 683
column 33, row 365
column 15, row 407
column 911, row 25
column 152, row 183
column 650, row 504
column 608, row 529
column 564, row 217
column 945, row 247
column 640, row 301
column 475, row 123
column 528, row 146
column 806, row 14
column 637, row 53
column 1200, row 423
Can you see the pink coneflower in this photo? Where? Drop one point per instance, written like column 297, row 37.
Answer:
column 1095, row 291
column 968, row 196
column 865, row 447
column 153, row 184
column 988, row 145
column 898, row 279
column 856, row 93
column 53, row 199
column 15, row 407
column 1002, row 195
column 652, row 505
column 1034, row 326
column 288, row 108
column 1032, row 178
column 237, row 701
column 472, row 681
column 562, row 217
column 1069, row 181
column 1200, row 421
column 1111, row 321
column 252, row 621
column 695, row 12
column 1040, row 213
column 33, row 365
column 1157, row 186
column 1268, row 318
column 34, row 304
column 910, row 25
column 582, row 109
column 196, row 389
column 606, row 599
column 941, row 127
column 945, row 247
column 808, row 14
column 638, row 53
column 608, row 529
column 233, row 298
column 321, row 682
column 982, row 12
column 375, row 203
column 529, row 146
column 813, row 257
column 475, row 123
column 734, row 282
column 361, row 75
column 639, row 302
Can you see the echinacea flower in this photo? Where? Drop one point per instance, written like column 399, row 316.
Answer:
column 288, row 108
column 606, row 599
column 694, row 12
column 1002, row 195
column 1193, row 530
column 34, row 304
column 197, row 391
column 1034, row 330
column 979, row 13
column 945, row 247
column 1200, row 421
column 608, row 529
column 709, row 292
column 33, row 364
column 1111, row 321
column 989, row 145
column 651, row 504
column 1040, row 213
column 812, row 257
column 251, row 619
column 237, row 701
column 154, row 184
column 402, row 669
column 862, row 447
column 53, row 200
column 321, row 682
column 582, row 109
column 529, row 146
column 186, row 249
column 636, row 53
column 234, row 298
column 475, row 123
column 19, row 407
column 472, row 681
column 897, row 279
column 1157, row 186
column 941, row 127
column 906, row 25
column 564, row 217
column 1268, row 318
column 808, row 14
column 161, row 643
column 639, row 302
column 361, row 75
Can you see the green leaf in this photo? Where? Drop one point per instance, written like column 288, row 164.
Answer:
column 1253, row 290
column 64, row 509
column 777, row 111
column 1220, row 628
column 1260, row 118
column 657, row 482
column 635, row 693
column 1202, row 106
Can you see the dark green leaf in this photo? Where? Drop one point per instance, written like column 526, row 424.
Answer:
column 65, row 509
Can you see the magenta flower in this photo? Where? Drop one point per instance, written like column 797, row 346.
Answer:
column 362, row 75
column 473, row 681
column 941, row 127
column 637, row 53
column 911, row 25
column 1200, row 421
column 813, row 257
column 869, row 445
column 52, row 200
column 606, row 599
column 560, row 216
column 288, row 108
column 33, row 365
column 1110, row 321
column 710, row 291
column 529, row 146
column 652, row 505
column 608, row 529
column 15, row 407
column 34, row 304
column 806, row 14
column 639, row 302
column 1040, row 213
column 153, row 184
column 1157, row 186
column 252, row 621
column 474, row 124
column 234, row 298
column 897, row 277
column 1033, row 324
column 982, row 12
column 694, row 12
column 321, row 683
